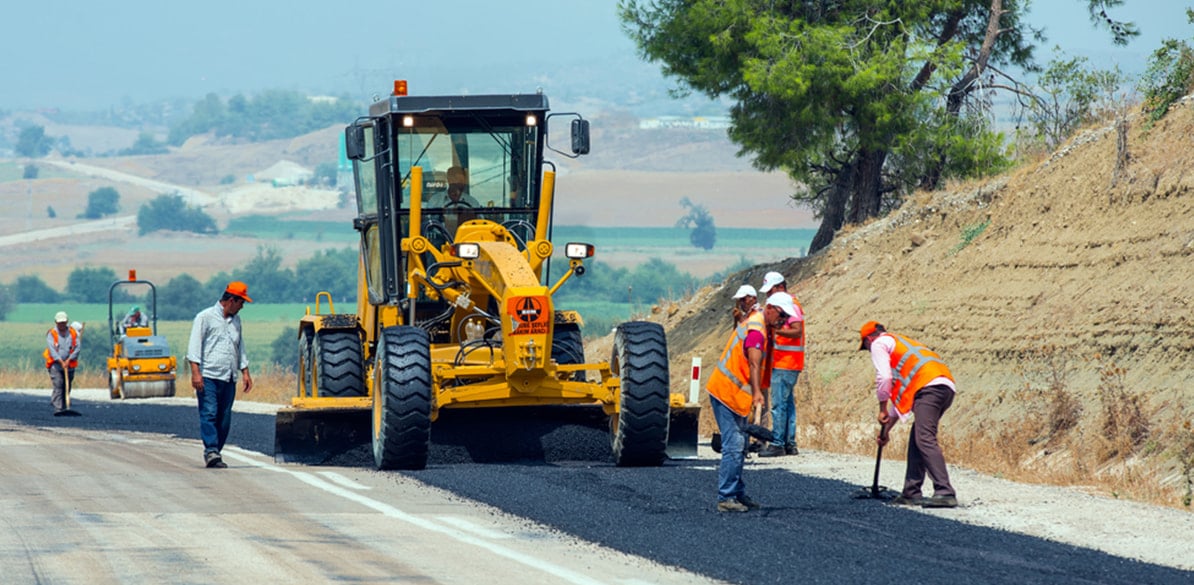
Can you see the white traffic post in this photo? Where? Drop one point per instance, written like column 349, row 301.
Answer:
column 694, row 387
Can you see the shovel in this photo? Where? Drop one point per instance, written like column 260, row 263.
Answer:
column 754, row 430
column 68, row 411
column 876, row 491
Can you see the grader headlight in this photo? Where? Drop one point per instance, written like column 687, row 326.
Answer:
column 466, row 251
column 577, row 251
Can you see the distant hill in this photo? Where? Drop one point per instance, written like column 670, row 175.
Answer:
column 634, row 177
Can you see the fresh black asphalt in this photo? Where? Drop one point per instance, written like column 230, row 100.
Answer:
column 811, row 530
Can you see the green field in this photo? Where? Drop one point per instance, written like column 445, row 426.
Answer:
column 279, row 228
column 26, row 327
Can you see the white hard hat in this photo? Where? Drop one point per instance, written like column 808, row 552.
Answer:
column 783, row 302
column 769, row 280
column 746, row 290
column 60, row 317
column 77, row 326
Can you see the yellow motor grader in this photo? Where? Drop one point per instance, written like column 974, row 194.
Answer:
column 455, row 310
column 141, row 365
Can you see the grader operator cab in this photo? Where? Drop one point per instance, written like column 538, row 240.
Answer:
column 141, row 365
column 455, row 310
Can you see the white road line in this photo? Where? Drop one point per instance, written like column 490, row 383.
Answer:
column 557, row 571
column 472, row 527
column 344, row 481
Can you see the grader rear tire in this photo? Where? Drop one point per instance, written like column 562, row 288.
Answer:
column 339, row 363
column 568, row 347
column 639, row 430
column 304, row 381
column 402, row 399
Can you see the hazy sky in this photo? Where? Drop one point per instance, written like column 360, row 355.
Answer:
column 78, row 54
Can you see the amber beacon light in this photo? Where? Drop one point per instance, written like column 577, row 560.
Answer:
column 399, row 87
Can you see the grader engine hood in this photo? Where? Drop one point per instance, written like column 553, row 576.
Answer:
column 527, row 324
column 525, row 309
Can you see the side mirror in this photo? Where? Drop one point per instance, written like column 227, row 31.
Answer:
column 354, row 142
column 580, row 136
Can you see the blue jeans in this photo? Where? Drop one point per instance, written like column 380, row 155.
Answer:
column 215, row 413
column 783, row 407
column 733, row 452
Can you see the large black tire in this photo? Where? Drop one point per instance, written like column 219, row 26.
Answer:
column 339, row 363
column 304, row 379
column 402, row 399
column 639, row 430
column 568, row 347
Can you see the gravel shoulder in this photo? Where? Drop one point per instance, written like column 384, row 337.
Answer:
column 1152, row 534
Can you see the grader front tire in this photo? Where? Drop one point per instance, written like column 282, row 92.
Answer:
column 402, row 399
column 639, row 430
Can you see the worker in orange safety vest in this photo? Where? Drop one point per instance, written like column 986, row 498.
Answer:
column 62, row 357
column 787, row 361
column 912, row 380
column 735, row 387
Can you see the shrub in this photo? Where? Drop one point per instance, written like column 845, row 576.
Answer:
column 32, row 289
column 1168, row 77
column 284, row 350
column 101, row 202
column 170, row 212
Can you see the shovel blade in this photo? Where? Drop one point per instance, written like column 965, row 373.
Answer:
column 759, row 432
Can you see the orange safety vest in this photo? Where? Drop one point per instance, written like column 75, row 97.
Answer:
column 730, row 380
column 74, row 341
column 913, row 366
column 788, row 352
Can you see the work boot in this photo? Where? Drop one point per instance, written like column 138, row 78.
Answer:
column 791, row 449
column 772, row 451
column 746, row 500
column 940, row 502
column 731, row 506
column 213, row 460
column 902, row 500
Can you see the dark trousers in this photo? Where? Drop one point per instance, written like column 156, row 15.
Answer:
column 924, row 454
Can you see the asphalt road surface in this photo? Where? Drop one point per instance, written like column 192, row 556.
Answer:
column 119, row 495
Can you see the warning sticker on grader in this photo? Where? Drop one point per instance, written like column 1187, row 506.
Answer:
column 528, row 315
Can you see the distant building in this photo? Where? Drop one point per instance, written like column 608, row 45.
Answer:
column 693, row 122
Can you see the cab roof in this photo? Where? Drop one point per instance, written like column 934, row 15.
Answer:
column 533, row 102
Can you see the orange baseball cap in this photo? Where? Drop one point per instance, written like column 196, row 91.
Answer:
column 239, row 289
column 867, row 328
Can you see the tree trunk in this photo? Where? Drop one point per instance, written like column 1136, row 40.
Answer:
column 868, row 185
column 965, row 86
column 834, row 214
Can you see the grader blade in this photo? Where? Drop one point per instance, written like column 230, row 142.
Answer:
column 322, row 436
column 682, row 432
column 549, row 433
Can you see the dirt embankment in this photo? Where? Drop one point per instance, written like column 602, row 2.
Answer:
column 1057, row 280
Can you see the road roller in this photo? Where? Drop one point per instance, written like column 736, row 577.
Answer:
column 141, row 365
